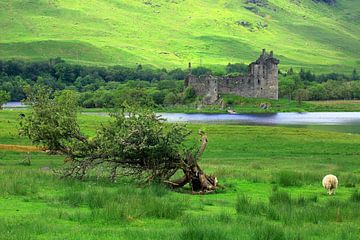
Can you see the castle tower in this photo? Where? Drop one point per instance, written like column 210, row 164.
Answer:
column 263, row 74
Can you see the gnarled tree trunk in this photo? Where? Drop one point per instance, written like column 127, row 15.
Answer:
column 198, row 180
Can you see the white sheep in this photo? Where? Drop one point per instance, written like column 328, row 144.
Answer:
column 330, row 182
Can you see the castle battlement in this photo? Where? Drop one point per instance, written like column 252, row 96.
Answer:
column 260, row 82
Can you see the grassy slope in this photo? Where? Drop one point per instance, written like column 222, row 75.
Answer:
column 248, row 160
column 171, row 33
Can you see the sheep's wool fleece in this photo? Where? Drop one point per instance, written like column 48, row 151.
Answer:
column 330, row 181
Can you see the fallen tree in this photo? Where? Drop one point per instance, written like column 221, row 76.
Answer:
column 134, row 142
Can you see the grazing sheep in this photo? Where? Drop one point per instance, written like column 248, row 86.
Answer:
column 330, row 182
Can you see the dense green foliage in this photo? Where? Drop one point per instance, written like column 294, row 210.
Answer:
column 4, row 97
column 57, row 75
column 272, row 179
column 112, row 86
column 308, row 86
column 99, row 86
column 169, row 34
column 137, row 141
column 52, row 122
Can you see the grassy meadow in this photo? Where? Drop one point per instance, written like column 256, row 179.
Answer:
column 169, row 34
column 271, row 178
column 252, row 105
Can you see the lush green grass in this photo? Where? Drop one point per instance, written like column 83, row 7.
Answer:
column 272, row 190
column 171, row 33
column 252, row 105
column 335, row 106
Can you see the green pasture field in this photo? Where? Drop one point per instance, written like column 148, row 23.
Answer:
column 169, row 34
column 252, row 105
column 270, row 178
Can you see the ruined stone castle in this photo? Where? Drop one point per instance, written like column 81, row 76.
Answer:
column 260, row 82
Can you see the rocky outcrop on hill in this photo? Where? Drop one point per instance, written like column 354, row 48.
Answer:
column 328, row 2
column 259, row 3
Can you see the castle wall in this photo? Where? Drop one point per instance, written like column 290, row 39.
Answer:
column 241, row 85
column 261, row 81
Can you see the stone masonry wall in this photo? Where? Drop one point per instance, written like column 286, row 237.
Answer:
column 260, row 82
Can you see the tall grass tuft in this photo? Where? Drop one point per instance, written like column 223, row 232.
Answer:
column 224, row 217
column 203, row 227
column 243, row 204
column 299, row 210
column 267, row 231
column 280, row 197
column 355, row 196
column 126, row 203
column 303, row 201
column 289, row 179
column 203, row 233
column 28, row 228
column 350, row 180
column 96, row 198
column 19, row 182
column 73, row 198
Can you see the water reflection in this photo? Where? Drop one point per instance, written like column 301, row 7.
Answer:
column 317, row 118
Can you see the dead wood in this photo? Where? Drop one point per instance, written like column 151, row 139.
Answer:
column 193, row 174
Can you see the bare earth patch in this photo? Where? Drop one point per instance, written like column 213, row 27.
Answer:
column 19, row 148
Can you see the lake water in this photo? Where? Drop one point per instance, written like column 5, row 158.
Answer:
column 14, row 105
column 318, row 118
column 348, row 122
column 331, row 121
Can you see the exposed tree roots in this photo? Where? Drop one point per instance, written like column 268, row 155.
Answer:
column 198, row 180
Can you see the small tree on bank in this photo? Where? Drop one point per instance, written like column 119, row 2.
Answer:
column 52, row 122
column 4, row 98
column 301, row 95
column 134, row 142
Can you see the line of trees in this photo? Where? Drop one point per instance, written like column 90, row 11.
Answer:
column 111, row 86
column 103, row 86
column 59, row 75
column 308, row 86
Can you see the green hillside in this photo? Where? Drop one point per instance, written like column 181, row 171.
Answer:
column 169, row 33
